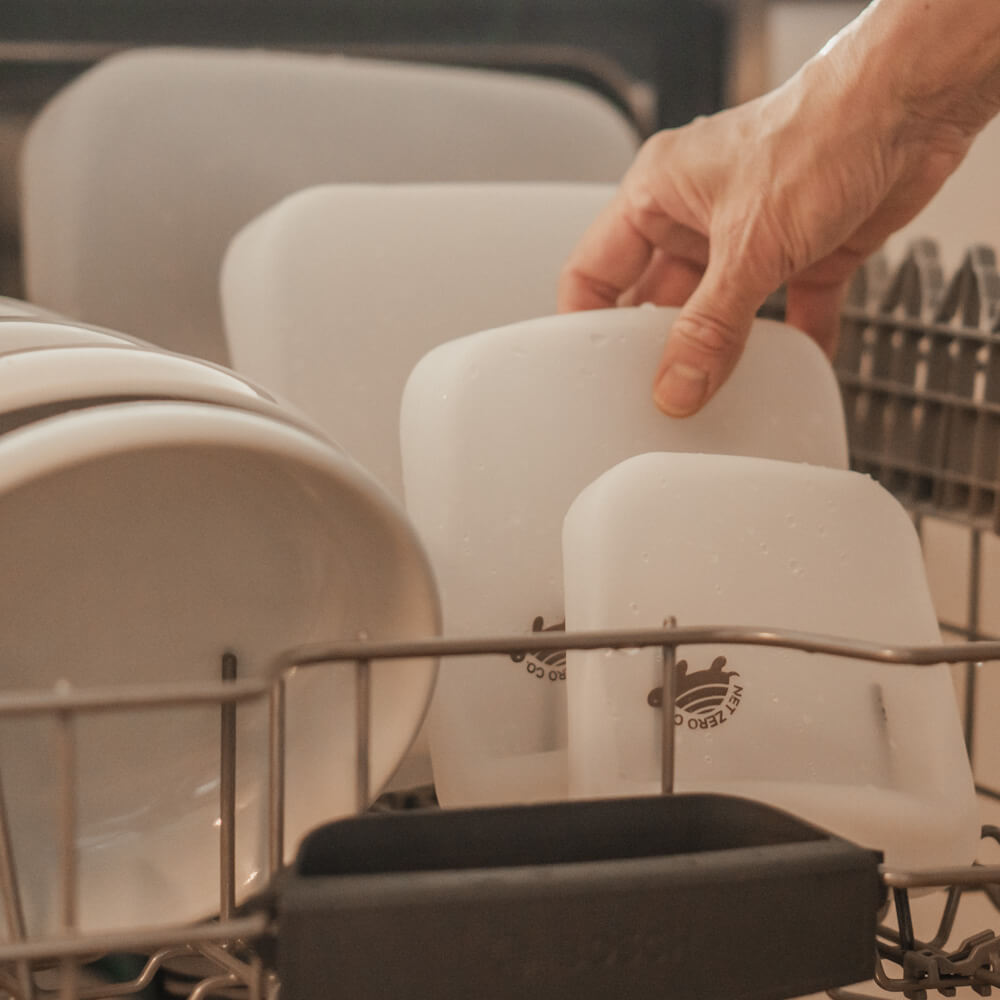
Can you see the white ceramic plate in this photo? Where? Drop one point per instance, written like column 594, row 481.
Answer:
column 24, row 333
column 142, row 541
column 19, row 309
column 43, row 382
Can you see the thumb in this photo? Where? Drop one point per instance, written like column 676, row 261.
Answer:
column 706, row 340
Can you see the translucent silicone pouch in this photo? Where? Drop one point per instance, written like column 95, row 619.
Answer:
column 500, row 431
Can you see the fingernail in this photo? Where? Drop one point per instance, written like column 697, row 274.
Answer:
column 681, row 390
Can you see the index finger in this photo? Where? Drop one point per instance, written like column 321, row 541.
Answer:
column 608, row 260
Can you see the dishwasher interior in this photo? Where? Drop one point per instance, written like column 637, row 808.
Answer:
column 724, row 897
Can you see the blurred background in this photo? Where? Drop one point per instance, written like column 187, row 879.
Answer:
column 660, row 61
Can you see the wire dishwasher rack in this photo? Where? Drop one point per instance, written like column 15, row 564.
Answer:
column 919, row 366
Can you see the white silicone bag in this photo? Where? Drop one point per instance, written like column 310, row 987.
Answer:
column 869, row 751
column 500, row 431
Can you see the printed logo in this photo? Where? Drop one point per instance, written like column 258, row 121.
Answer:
column 704, row 699
column 544, row 663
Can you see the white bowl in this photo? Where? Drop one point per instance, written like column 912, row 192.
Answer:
column 38, row 383
column 24, row 333
column 11, row 308
column 142, row 541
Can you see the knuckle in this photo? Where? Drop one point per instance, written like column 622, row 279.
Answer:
column 573, row 281
column 656, row 146
column 706, row 334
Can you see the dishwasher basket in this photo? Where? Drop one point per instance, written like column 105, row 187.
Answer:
column 584, row 899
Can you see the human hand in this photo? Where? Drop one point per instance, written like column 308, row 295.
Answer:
column 796, row 187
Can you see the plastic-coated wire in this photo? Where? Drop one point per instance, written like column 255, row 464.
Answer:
column 227, row 796
column 904, row 918
column 363, row 712
column 249, row 928
column 276, row 776
column 914, row 656
column 971, row 669
column 668, row 743
column 145, row 978
column 67, row 703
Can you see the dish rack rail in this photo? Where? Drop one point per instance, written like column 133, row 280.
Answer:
column 919, row 366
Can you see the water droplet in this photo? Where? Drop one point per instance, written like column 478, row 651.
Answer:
column 795, row 566
column 763, row 547
column 444, row 395
column 645, row 557
column 775, row 699
column 634, row 608
column 708, row 758
column 791, row 521
column 717, row 588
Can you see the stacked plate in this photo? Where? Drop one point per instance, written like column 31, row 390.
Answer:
column 156, row 514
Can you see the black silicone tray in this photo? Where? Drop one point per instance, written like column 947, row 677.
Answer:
column 694, row 896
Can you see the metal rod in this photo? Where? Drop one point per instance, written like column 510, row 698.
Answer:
column 363, row 697
column 916, row 656
column 227, row 796
column 276, row 778
column 69, row 978
column 940, row 877
column 13, row 903
column 142, row 940
column 904, row 918
column 256, row 985
column 224, row 959
column 67, row 767
column 948, row 915
column 914, row 325
column 208, row 986
column 971, row 671
column 145, row 978
column 669, row 736
column 113, row 699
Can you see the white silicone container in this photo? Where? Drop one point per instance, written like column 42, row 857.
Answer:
column 499, row 432
column 869, row 751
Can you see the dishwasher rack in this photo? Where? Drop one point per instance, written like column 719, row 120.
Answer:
column 920, row 370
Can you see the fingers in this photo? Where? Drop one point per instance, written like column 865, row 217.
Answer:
column 620, row 247
column 668, row 281
column 707, row 339
column 816, row 310
column 612, row 255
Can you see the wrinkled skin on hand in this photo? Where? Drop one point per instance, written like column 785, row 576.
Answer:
column 797, row 187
